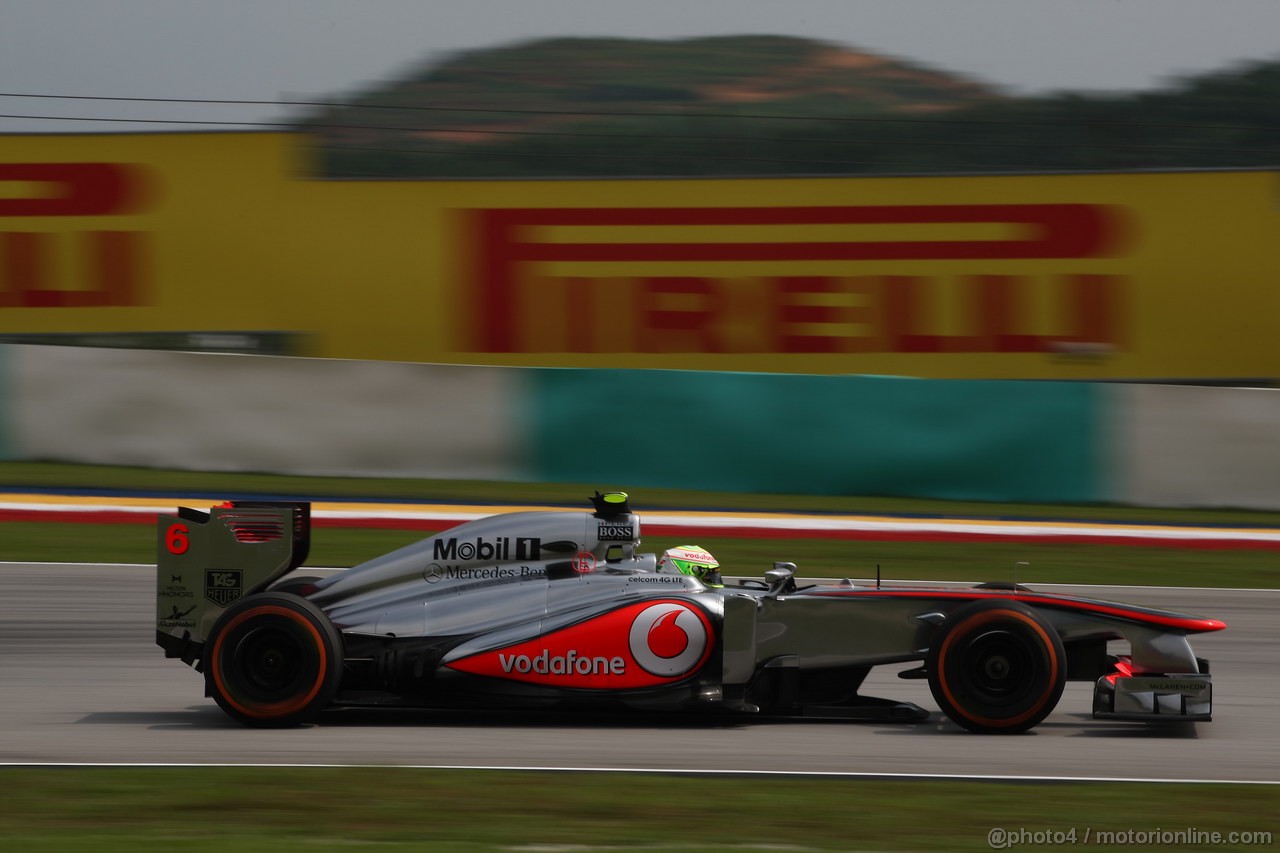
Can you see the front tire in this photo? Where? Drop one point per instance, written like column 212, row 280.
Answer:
column 275, row 660
column 996, row 666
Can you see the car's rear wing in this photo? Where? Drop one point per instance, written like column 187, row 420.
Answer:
column 207, row 560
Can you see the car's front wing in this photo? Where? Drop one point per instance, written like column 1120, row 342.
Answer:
column 1171, row 697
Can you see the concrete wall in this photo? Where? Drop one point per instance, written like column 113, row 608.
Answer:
column 997, row 441
column 1193, row 446
column 216, row 412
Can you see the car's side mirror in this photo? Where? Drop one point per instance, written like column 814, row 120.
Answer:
column 781, row 578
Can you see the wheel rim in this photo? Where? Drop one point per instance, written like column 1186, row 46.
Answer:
column 269, row 664
column 999, row 668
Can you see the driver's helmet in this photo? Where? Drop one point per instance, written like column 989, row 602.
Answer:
column 691, row 560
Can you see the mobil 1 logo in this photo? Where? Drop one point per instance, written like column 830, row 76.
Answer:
column 498, row 550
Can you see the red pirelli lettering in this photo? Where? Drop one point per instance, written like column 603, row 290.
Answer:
column 108, row 266
column 677, row 315
column 73, row 189
column 686, row 307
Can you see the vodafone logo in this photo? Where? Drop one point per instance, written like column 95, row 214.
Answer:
column 667, row 639
column 639, row 645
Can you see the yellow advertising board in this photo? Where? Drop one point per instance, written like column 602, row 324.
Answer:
column 222, row 236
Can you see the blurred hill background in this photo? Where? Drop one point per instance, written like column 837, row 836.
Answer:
column 765, row 105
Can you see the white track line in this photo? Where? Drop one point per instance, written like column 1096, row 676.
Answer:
column 673, row 771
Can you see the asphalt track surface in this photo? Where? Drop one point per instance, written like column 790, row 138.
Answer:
column 83, row 682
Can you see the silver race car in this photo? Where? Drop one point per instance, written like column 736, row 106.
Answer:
column 557, row 609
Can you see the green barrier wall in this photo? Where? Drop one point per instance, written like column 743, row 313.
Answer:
column 954, row 439
column 8, row 405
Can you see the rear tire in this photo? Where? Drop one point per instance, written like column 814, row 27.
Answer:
column 996, row 667
column 274, row 660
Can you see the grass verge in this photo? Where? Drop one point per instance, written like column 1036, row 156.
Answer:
column 391, row 809
column 15, row 476
column 1061, row 563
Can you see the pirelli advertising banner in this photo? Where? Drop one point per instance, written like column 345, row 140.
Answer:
column 223, row 239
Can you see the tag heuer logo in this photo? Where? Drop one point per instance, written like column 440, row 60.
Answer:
column 222, row 586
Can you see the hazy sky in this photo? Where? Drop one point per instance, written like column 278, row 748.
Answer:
column 294, row 49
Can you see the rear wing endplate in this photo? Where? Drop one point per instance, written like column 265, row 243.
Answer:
column 205, row 561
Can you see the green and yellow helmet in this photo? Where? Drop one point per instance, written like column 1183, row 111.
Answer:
column 691, row 560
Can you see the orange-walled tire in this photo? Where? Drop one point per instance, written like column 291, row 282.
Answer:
column 273, row 660
column 996, row 666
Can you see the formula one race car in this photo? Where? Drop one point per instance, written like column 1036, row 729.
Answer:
column 556, row 609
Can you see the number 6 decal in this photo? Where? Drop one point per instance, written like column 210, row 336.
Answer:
column 177, row 539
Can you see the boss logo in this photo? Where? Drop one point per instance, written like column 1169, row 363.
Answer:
column 616, row 532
